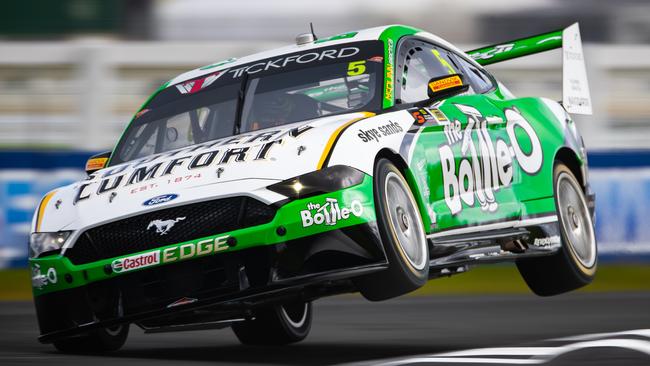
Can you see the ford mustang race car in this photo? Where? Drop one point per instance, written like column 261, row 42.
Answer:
column 369, row 162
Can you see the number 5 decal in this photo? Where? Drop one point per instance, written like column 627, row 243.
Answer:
column 356, row 68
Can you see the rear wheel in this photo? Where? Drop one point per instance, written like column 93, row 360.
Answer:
column 402, row 235
column 574, row 265
column 276, row 325
column 97, row 341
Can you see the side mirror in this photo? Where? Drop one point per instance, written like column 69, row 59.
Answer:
column 97, row 162
column 444, row 87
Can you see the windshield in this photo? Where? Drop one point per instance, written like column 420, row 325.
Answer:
column 263, row 94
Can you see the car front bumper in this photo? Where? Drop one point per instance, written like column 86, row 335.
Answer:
column 311, row 248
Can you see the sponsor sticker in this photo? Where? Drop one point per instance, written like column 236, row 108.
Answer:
column 295, row 59
column 160, row 199
column 195, row 249
column 137, row 261
column 40, row 279
column 438, row 115
column 375, row 134
column 388, row 78
column 329, row 213
column 482, row 164
column 445, row 83
column 242, row 148
column 171, row 254
column 196, row 85
column 96, row 163
column 421, row 115
column 547, row 241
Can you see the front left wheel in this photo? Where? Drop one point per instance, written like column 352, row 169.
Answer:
column 276, row 325
column 402, row 234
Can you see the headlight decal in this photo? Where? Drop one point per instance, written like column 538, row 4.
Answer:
column 318, row 182
column 41, row 209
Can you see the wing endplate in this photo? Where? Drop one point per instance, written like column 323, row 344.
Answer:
column 576, row 98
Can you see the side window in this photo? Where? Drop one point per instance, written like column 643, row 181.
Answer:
column 478, row 78
column 417, row 63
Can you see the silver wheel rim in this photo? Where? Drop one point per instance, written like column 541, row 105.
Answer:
column 576, row 220
column 405, row 221
column 116, row 329
column 294, row 319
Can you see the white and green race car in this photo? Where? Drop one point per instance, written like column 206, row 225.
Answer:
column 370, row 161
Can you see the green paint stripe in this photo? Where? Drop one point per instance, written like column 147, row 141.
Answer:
column 390, row 36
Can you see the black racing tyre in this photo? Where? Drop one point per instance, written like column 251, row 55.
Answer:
column 276, row 325
column 97, row 341
column 574, row 265
column 402, row 234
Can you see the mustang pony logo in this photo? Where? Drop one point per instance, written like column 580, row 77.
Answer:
column 163, row 226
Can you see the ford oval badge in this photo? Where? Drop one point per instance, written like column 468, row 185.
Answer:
column 160, row 199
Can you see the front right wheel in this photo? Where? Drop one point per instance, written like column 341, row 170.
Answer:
column 574, row 265
column 95, row 342
column 276, row 325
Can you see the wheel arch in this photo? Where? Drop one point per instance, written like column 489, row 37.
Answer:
column 569, row 158
column 403, row 167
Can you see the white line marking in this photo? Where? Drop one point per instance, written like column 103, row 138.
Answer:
column 586, row 337
column 631, row 344
column 539, row 354
column 413, row 360
column 495, row 226
column 503, row 351
column 529, row 355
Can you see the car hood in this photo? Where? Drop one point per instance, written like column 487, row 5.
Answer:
column 239, row 165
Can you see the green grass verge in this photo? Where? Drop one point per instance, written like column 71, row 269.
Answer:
column 505, row 279
column 494, row 279
column 15, row 284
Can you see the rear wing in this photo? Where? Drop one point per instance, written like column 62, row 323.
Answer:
column 575, row 88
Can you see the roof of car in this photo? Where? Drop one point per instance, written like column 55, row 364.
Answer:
column 356, row 36
column 362, row 35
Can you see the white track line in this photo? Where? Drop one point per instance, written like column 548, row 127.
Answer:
column 513, row 361
column 586, row 337
column 502, row 351
column 531, row 355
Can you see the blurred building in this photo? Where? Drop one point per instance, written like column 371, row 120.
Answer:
column 72, row 72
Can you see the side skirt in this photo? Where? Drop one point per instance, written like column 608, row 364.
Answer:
column 506, row 241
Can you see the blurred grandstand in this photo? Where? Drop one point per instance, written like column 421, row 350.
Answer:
column 73, row 72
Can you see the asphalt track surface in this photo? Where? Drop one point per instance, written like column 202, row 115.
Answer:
column 406, row 331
